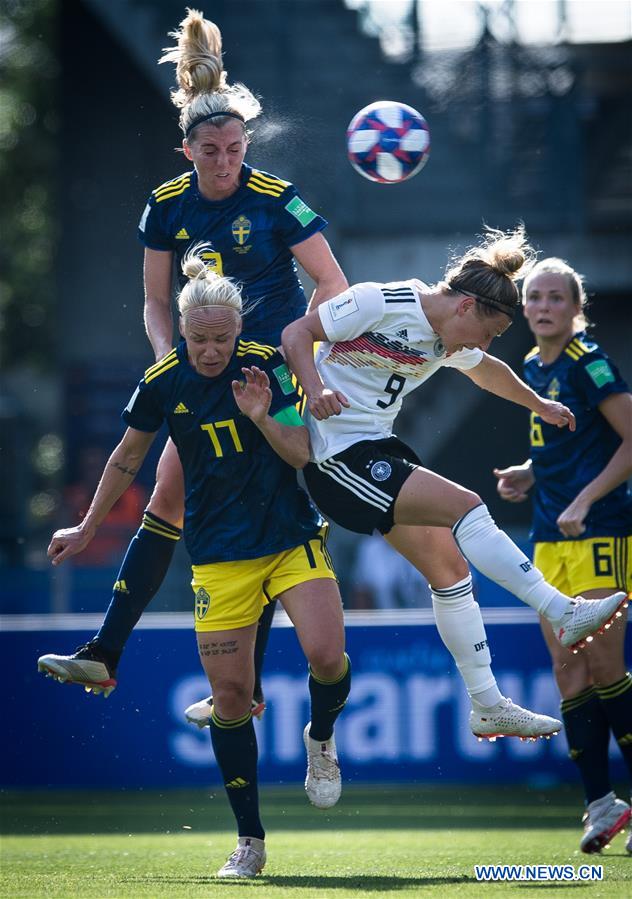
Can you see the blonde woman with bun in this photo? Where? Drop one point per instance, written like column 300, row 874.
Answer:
column 250, row 530
column 257, row 228
column 379, row 342
column 582, row 526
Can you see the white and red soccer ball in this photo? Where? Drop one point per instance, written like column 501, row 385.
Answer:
column 388, row 142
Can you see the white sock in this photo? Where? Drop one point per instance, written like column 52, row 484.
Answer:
column 499, row 559
column 461, row 628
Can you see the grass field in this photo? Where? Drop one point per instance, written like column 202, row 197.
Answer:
column 379, row 841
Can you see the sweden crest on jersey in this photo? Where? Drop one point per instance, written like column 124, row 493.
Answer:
column 241, row 229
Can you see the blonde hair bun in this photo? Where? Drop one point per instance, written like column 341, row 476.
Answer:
column 205, row 287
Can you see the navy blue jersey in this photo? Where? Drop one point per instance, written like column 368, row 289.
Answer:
column 581, row 377
column 242, row 501
column 250, row 233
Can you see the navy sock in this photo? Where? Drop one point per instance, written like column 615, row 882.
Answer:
column 235, row 748
column 328, row 700
column 588, row 734
column 261, row 641
column 616, row 701
column 143, row 570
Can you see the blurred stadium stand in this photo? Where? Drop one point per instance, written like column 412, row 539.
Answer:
column 535, row 133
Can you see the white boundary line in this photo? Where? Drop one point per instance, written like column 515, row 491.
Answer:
column 184, row 620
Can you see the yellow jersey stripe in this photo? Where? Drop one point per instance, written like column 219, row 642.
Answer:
column 165, row 368
column 176, row 188
column 173, row 193
column 170, row 355
column 253, row 352
column 243, row 344
column 270, row 188
column 580, row 347
column 257, row 347
column 268, row 179
column 531, row 354
column 260, row 190
column 175, row 182
column 570, row 351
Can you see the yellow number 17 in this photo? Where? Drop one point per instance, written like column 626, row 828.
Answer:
column 212, row 429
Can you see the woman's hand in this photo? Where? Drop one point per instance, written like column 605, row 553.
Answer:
column 515, row 482
column 68, row 542
column 326, row 403
column 556, row 414
column 253, row 396
column 571, row 521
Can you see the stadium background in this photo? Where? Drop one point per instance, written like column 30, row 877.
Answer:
column 529, row 131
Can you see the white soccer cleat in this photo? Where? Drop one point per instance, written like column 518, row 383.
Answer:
column 200, row 712
column 247, row 860
column 86, row 667
column 323, row 783
column 604, row 819
column 588, row 617
column 506, row 719
column 628, row 842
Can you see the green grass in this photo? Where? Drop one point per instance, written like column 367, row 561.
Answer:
column 379, row 841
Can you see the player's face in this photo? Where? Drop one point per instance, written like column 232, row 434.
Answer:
column 210, row 335
column 217, row 154
column 469, row 330
column 549, row 306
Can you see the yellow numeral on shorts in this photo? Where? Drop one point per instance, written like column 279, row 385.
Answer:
column 537, row 438
column 211, row 430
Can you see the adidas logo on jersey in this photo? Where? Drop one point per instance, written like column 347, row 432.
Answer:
column 182, row 234
column 180, row 409
column 120, row 587
column 403, row 334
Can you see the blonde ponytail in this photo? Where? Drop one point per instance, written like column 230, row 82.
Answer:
column 203, row 91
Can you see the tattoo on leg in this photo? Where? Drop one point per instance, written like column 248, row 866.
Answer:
column 228, row 647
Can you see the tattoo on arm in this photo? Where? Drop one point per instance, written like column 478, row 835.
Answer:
column 129, row 471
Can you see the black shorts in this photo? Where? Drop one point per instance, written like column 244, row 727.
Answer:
column 357, row 488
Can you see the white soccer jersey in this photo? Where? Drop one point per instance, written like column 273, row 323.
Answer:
column 380, row 347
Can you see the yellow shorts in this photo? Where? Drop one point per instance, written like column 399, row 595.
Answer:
column 575, row 566
column 232, row 594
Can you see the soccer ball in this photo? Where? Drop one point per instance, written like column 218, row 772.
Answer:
column 388, row 142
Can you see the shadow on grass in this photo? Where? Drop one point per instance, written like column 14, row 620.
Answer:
column 366, row 883
column 388, row 807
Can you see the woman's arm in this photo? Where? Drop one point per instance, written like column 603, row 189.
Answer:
column 118, row 474
column 493, row 375
column 253, row 396
column 298, row 339
column 617, row 410
column 315, row 256
column 158, row 315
